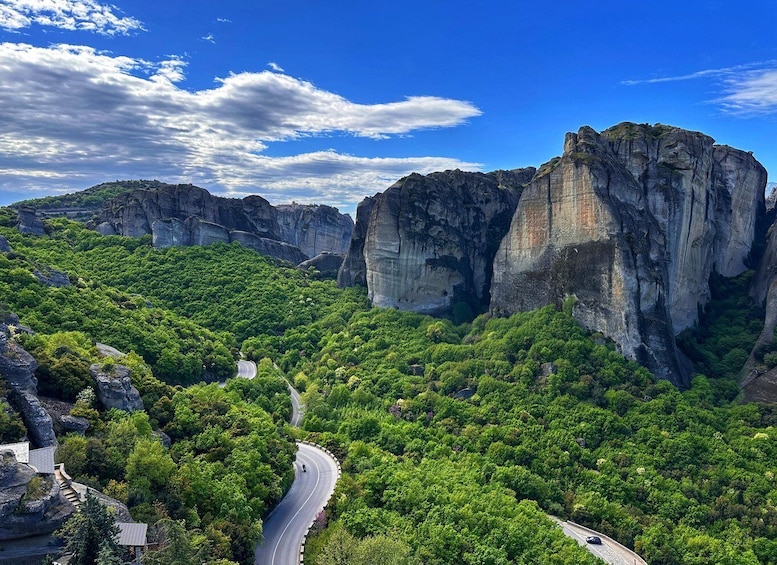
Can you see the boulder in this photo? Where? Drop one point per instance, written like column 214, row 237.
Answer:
column 28, row 222
column 74, row 424
column 327, row 264
column 5, row 247
column 52, row 277
column 23, row 515
column 114, row 388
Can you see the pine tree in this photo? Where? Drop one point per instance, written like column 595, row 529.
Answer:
column 91, row 534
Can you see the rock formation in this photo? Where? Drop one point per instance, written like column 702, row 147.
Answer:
column 29, row 223
column 187, row 215
column 630, row 224
column 5, row 247
column 114, row 388
column 17, row 367
column 327, row 264
column 52, row 277
column 429, row 240
column 353, row 271
column 314, row 229
column 23, row 515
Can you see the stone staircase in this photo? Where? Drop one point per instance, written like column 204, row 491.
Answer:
column 66, row 486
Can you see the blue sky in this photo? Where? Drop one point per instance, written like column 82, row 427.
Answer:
column 329, row 102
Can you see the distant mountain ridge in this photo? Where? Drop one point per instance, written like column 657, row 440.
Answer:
column 185, row 214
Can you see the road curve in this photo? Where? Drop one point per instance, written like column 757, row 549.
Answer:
column 287, row 525
column 609, row 550
column 297, row 409
column 246, row 369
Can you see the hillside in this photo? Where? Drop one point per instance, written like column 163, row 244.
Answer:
column 454, row 439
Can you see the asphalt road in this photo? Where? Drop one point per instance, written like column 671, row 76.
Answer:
column 287, row 525
column 609, row 550
column 246, row 369
column 297, row 410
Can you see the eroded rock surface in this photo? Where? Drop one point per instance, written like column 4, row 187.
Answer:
column 182, row 215
column 630, row 224
column 26, row 511
column 327, row 264
column 314, row 229
column 114, row 388
column 17, row 368
column 28, row 222
column 429, row 241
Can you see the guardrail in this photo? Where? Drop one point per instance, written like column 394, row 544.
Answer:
column 301, row 559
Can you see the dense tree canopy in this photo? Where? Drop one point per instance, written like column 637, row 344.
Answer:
column 456, row 441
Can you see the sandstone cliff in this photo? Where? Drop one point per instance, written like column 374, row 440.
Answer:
column 631, row 223
column 179, row 215
column 428, row 241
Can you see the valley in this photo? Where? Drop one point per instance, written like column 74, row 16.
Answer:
column 496, row 348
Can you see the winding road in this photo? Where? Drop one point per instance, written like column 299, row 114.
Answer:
column 288, row 524
column 609, row 550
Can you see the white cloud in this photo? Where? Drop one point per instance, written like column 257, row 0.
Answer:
column 275, row 67
column 749, row 89
column 74, row 112
column 752, row 93
column 209, row 38
column 223, row 20
column 84, row 15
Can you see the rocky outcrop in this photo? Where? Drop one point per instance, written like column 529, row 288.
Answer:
column 114, row 388
column 314, row 229
column 27, row 511
column 270, row 247
column 327, row 264
column 771, row 198
column 629, row 225
column 429, row 241
column 353, row 271
column 52, row 277
column 5, row 247
column 28, row 222
column 17, row 367
column 182, row 215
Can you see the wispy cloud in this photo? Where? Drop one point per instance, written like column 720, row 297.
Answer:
column 209, row 38
column 753, row 93
column 74, row 112
column 748, row 89
column 223, row 20
column 83, row 15
column 275, row 67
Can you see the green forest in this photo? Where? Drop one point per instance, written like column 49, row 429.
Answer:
column 457, row 442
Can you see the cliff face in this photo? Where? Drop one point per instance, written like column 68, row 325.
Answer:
column 353, row 271
column 631, row 223
column 314, row 229
column 17, row 367
column 429, row 241
column 187, row 215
